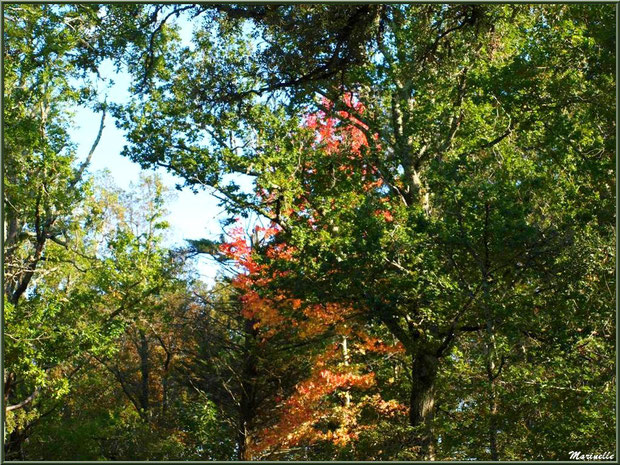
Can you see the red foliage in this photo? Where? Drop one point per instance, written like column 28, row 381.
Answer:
column 263, row 311
column 385, row 214
column 345, row 135
column 334, row 135
column 314, row 403
column 239, row 250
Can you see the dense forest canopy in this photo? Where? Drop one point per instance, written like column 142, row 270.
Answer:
column 431, row 275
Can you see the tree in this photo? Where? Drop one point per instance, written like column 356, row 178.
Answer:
column 438, row 184
column 477, row 121
column 60, row 293
column 41, row 189
column 126, row 397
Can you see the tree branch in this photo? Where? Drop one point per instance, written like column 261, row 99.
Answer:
column 85, row 163
column 24, row 402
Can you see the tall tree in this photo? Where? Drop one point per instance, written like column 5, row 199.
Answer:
column 479, row 127
column 53, row 246
column 439, row 181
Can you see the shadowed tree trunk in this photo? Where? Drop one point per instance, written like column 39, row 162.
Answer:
column 490, row 344
column 144, row 372
column 13, row 446
column 422, row 401
column 247, row 404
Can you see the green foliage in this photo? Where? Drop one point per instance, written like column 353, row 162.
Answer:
column 441, row 175
column 488, row 134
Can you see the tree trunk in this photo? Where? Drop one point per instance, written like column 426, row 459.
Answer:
column 247, row 407
column 345, row 356
column 14, row 295
column 493, row 424
column 13, row 446
column 492, row 373
column 164, row 381
column 422, row 401
column 164, row 394
column 9, row 380
column 144, row 371
column 490, row 343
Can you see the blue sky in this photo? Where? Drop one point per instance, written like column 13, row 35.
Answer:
column 192, row 216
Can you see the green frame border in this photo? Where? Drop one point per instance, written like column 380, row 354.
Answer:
column 343, row 2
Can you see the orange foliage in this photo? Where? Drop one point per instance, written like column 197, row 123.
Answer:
column 239, row 250
column 309, row 406
column 320, row 317
column 385, row 214
column 376, row 345
column 386, row 408
column 263, row 311
column 313, row 413
column 266, row 312
column 322, row 407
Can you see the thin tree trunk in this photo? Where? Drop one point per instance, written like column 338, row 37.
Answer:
column 21, row 287
column 144, row 371
column 490, row 343
column 9, row 379
column 345, row 356
column 493, row 423
column 164, row 388
column 247, row 408
column 491, row 354
column 164, row 381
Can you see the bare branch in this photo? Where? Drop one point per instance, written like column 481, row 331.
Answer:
column 85, row 163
